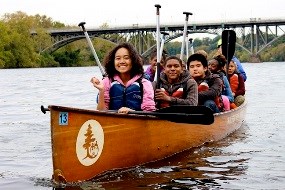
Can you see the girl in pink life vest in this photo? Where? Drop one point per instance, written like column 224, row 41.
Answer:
column 123, row 66
column 236, row 83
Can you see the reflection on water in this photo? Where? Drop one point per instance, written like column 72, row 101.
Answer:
column 251, row 158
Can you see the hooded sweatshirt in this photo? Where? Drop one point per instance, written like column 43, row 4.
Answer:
column 186, row 84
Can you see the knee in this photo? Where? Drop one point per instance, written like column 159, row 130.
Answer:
column 239, row 100
column 212, row 105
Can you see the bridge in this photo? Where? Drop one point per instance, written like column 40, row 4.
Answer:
column 254, row 35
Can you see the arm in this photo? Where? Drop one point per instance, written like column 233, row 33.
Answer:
column 150, row 72
column 148, row 103
column 215, row 89
column 227, row 90
column 101, row 101
column 103, row 97
column 192, row 95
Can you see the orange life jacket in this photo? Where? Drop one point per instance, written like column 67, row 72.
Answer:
column 218, row 100
column 178, row 94
column 234, row 82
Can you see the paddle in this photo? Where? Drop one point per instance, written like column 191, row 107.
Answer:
column 182, row 114
column 158, row 69
column 163, row 37
column 81, row 24
column 228, row 45
column 191, row 45
column 179, row 114
column 184, row 34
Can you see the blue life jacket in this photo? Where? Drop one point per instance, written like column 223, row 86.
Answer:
column 130, row 97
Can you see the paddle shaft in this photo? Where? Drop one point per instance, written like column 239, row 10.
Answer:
column 158, row 70
column 81, row 24
column 191, row 45
column 163, row 34
column 184, row 33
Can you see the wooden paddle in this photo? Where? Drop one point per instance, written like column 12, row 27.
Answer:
column 228, row 45
column 182, row 114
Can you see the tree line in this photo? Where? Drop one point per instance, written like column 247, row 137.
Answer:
column 20, row 49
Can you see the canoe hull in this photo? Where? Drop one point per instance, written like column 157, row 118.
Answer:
column 86, row 143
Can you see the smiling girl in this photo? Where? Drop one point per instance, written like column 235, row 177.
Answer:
column 124, row 89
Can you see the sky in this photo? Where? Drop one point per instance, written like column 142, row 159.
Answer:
column 143, row 12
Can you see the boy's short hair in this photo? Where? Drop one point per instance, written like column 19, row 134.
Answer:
column 176, row 58
column 197, row 57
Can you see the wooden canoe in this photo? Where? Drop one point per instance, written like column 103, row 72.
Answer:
column 87, row 143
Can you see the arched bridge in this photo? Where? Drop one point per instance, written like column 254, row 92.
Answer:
column 254, row 35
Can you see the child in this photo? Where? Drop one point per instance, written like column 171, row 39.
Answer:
column 124, row 89
column 236, row 83
column 176, row 87
column 151, row 69
column 216, row 66
column 209, row 85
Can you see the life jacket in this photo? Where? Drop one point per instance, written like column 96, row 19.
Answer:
column 234, row 82
column 179, row 93
column 121, row 96
column 218, row 99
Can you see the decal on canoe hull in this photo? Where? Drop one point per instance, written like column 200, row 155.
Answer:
column 90, row 142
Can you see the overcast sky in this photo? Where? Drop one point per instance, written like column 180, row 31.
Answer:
column 128, row 12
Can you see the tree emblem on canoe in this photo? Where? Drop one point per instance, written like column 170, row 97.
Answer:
column 89, row 143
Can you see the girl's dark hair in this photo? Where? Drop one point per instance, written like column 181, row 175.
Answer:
column 153, row 54
column 197, row 57
column 137, row 66
column 176, row 58
column 221, row 59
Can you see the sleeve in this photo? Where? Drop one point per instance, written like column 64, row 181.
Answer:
column 148, row 103
column 150, row 75
column 240, row 68
column 228, row 90
column 241, row 87
column 215, row 89
column 192, row 95
column 107, row 83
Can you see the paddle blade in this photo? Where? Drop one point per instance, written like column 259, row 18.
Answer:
column 186, row 109
column 187, row 118
column 187, row 114
column 228, row 43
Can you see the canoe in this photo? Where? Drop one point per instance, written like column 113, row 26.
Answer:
column 88, row 143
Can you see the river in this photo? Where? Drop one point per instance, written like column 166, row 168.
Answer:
column 253, row 157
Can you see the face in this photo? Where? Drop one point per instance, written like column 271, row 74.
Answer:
column 123, row 62
column 232, row 67
column 213, row 65
column 197, row 70
column 173, row 70
column 153, row 61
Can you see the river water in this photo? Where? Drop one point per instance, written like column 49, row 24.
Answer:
column 253, row 157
